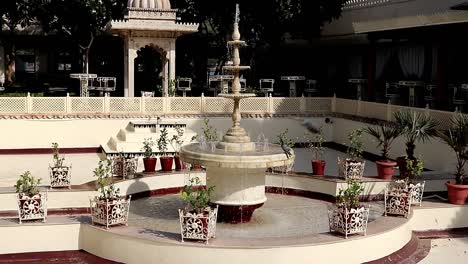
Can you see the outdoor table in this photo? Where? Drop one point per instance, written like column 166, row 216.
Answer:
column 411, row 90
column 292, row 83
column 358, row 84
column 84, row 78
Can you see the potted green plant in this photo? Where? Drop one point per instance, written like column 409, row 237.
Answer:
column 349, row 216
column 60, row 175
column 177, row 141
column 315, row 143
column 108, row 208
column 149, row 161
column 415, row 127
column 198, row 219
column 385, row 135
column 287, row 144
column 166, row 161
column 457, row 139
column 353, row 166
column 32, row 205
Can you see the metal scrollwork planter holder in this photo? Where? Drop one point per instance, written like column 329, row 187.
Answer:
column 124, row 166
column 351, row 169
column 348, row 221
column 417, row 192
column 110, row 212
column 398, row 201
column 198, row 226
column 60, row 176
column 32, row 208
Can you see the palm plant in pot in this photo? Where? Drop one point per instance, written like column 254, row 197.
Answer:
column 353, row 166
column 198, row 220
column 177, row 141
column 166, row 161
column 109, row 207
column 457, row 139
column 32, row 204
column 315, row 143
column 149, row 161
column 349, row 216
column 415, row 127
column 385, row 135
column 60, row 175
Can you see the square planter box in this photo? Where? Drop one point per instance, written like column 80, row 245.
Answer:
column 351, row 169
column 348, row 221
column 60, row 176
column 417, row 192
column 398, row 202
column 110, row 212
column 124, row 167
column 32, row 208
column 198, row 226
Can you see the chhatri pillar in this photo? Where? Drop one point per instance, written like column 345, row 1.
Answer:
column 150, row 23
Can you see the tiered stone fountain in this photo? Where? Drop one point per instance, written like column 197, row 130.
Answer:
column 237, row 166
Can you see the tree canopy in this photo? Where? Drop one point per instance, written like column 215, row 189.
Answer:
column 81, row 20
column 262, row 20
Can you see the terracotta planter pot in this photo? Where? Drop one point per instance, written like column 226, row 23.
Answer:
column 318, row 167
column 179, row 165
column 150, row 165
column 385, row 169
column 166, row 163
column 457, row 193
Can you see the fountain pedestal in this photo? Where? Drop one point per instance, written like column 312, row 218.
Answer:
column 238, row 192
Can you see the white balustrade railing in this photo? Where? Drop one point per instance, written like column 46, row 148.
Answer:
column 160, row 105
column 208, row 105
column 358, row 4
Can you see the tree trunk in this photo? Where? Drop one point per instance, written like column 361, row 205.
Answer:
column 410, row 150
column 10, row 68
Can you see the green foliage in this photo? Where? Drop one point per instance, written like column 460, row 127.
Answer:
column 284, row 140
column 163, row 141
column 107, row 190
column 385, row 135
column 58, row 161
column 355, row 146
column 349, row 197
column 198, row 199
column 148, row 147
column 457, row 139
column 210, row 133
column 27, row 185
column 178, row 139
column 81, row 20
column 414, row 168
column 416, row 127
column 315, row 142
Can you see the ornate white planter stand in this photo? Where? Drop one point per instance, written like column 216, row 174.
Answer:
column 60, row 176
column 398, row 201
column 32, row 208
column 350, row 169
column 124, row 167
column 200, row 226
column 347, row 221
column 110, row 212
column 417, row 191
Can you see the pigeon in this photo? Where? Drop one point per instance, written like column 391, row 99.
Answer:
column 311, row 127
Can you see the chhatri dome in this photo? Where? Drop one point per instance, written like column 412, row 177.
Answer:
column 152, row 4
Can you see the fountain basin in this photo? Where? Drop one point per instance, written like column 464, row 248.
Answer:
column 238, row 177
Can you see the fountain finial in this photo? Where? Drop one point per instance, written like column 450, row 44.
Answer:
column 237, row 18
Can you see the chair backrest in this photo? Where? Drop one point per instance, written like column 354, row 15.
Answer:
column 391, row 89
column 147, row 94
